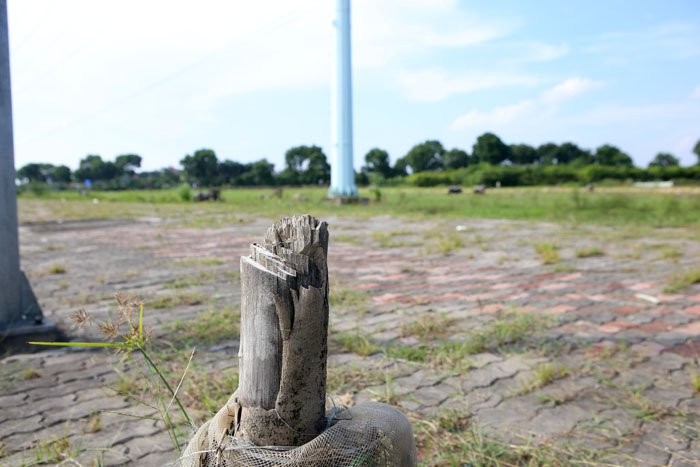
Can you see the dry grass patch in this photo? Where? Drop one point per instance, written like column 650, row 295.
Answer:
column 548, row 252
column 208, row 328
column 451, row 439
column 589, row 252
column 683, row 280
column 428, row 327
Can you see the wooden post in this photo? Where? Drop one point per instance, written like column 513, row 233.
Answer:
column 281, row 395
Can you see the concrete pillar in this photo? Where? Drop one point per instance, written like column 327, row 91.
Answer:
column 20, row 316
column 10, row 291
column 342, row 174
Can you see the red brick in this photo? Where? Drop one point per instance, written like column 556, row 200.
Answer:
column 692, row 329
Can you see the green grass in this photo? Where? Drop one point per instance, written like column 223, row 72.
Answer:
column 428, row 327
column 683, row 280
column 695, row 382
column 206, row 391
column 589, row 252
column 392, row 238
column 448, row 243
column 545, row 374
column 451, row 439
column 208, row 328
column 355, row 343
column 179, row 299
column 56, row 269
column 548, row 252
column 506, row 332
column 617, row 206
column 412, row 353
column 344, row 297
column 54, row 451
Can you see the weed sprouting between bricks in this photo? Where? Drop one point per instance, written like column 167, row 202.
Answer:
column 126, row 334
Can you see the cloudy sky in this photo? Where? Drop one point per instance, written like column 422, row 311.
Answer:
column 250, row 79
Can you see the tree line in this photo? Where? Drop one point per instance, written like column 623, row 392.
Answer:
column 425, row 164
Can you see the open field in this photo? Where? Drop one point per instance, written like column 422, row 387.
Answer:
column 523, row 327
column 610, row 206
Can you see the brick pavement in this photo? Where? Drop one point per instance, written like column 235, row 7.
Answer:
column 630, row 349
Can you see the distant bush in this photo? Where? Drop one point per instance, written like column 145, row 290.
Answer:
column 430, row 178
column 185, row 192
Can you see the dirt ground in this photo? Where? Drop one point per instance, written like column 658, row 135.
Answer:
column 532, row 333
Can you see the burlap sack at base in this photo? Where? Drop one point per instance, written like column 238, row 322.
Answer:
column 369, row 434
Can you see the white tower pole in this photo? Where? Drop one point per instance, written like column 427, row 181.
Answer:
column 342, row 174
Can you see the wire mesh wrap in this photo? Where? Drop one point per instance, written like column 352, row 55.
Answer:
column 369, row 434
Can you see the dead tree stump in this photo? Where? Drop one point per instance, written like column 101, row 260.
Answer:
column 284, row 326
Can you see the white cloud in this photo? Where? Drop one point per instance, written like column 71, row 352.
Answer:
column 435, row 85
column 495, row 117
column 385, row 31
column 611, row 114
column 569, row 89
column 679, row 40
column 527, row 110
column 544, row 52
column 695, row 94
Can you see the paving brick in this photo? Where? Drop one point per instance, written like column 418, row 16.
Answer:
column 404, row 284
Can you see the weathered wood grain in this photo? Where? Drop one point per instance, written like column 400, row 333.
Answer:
column 284, row 328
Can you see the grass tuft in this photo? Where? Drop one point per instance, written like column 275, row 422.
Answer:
column 57, row 269
column 543, row 375
column 355, row 343
column 428, row 327
column 342, row 297
column 451, row 439
column 208, row 328
column 549, row 253
column 683, row 280
column 55, row 451
column 179, row 299
column 589, row 252
column 695, row 382
column 412, row 353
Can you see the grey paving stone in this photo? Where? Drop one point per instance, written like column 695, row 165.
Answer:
column 557, row 420
column 487, row 375
column 502, row 417
column 432, row 396
column 671, row 338
column 668, row 398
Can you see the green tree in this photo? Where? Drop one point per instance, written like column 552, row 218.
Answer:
column 377, row 161
column 319, row 170
column 61, row 174
column 401, row 167
column 568, row 153
column 489, row 148
column 547, row 153
column 612, row 156
column 231, row 171
column 261, row 173
column 92, row 167
column 306, row 165
column 128, row 163
column 425, row 156
column 202, row 167
column 696, row 150
column 665, row 159
column 455, row 158
column 31, row 173
column 522, row 154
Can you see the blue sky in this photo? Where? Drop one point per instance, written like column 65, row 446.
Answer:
column 251, row 79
